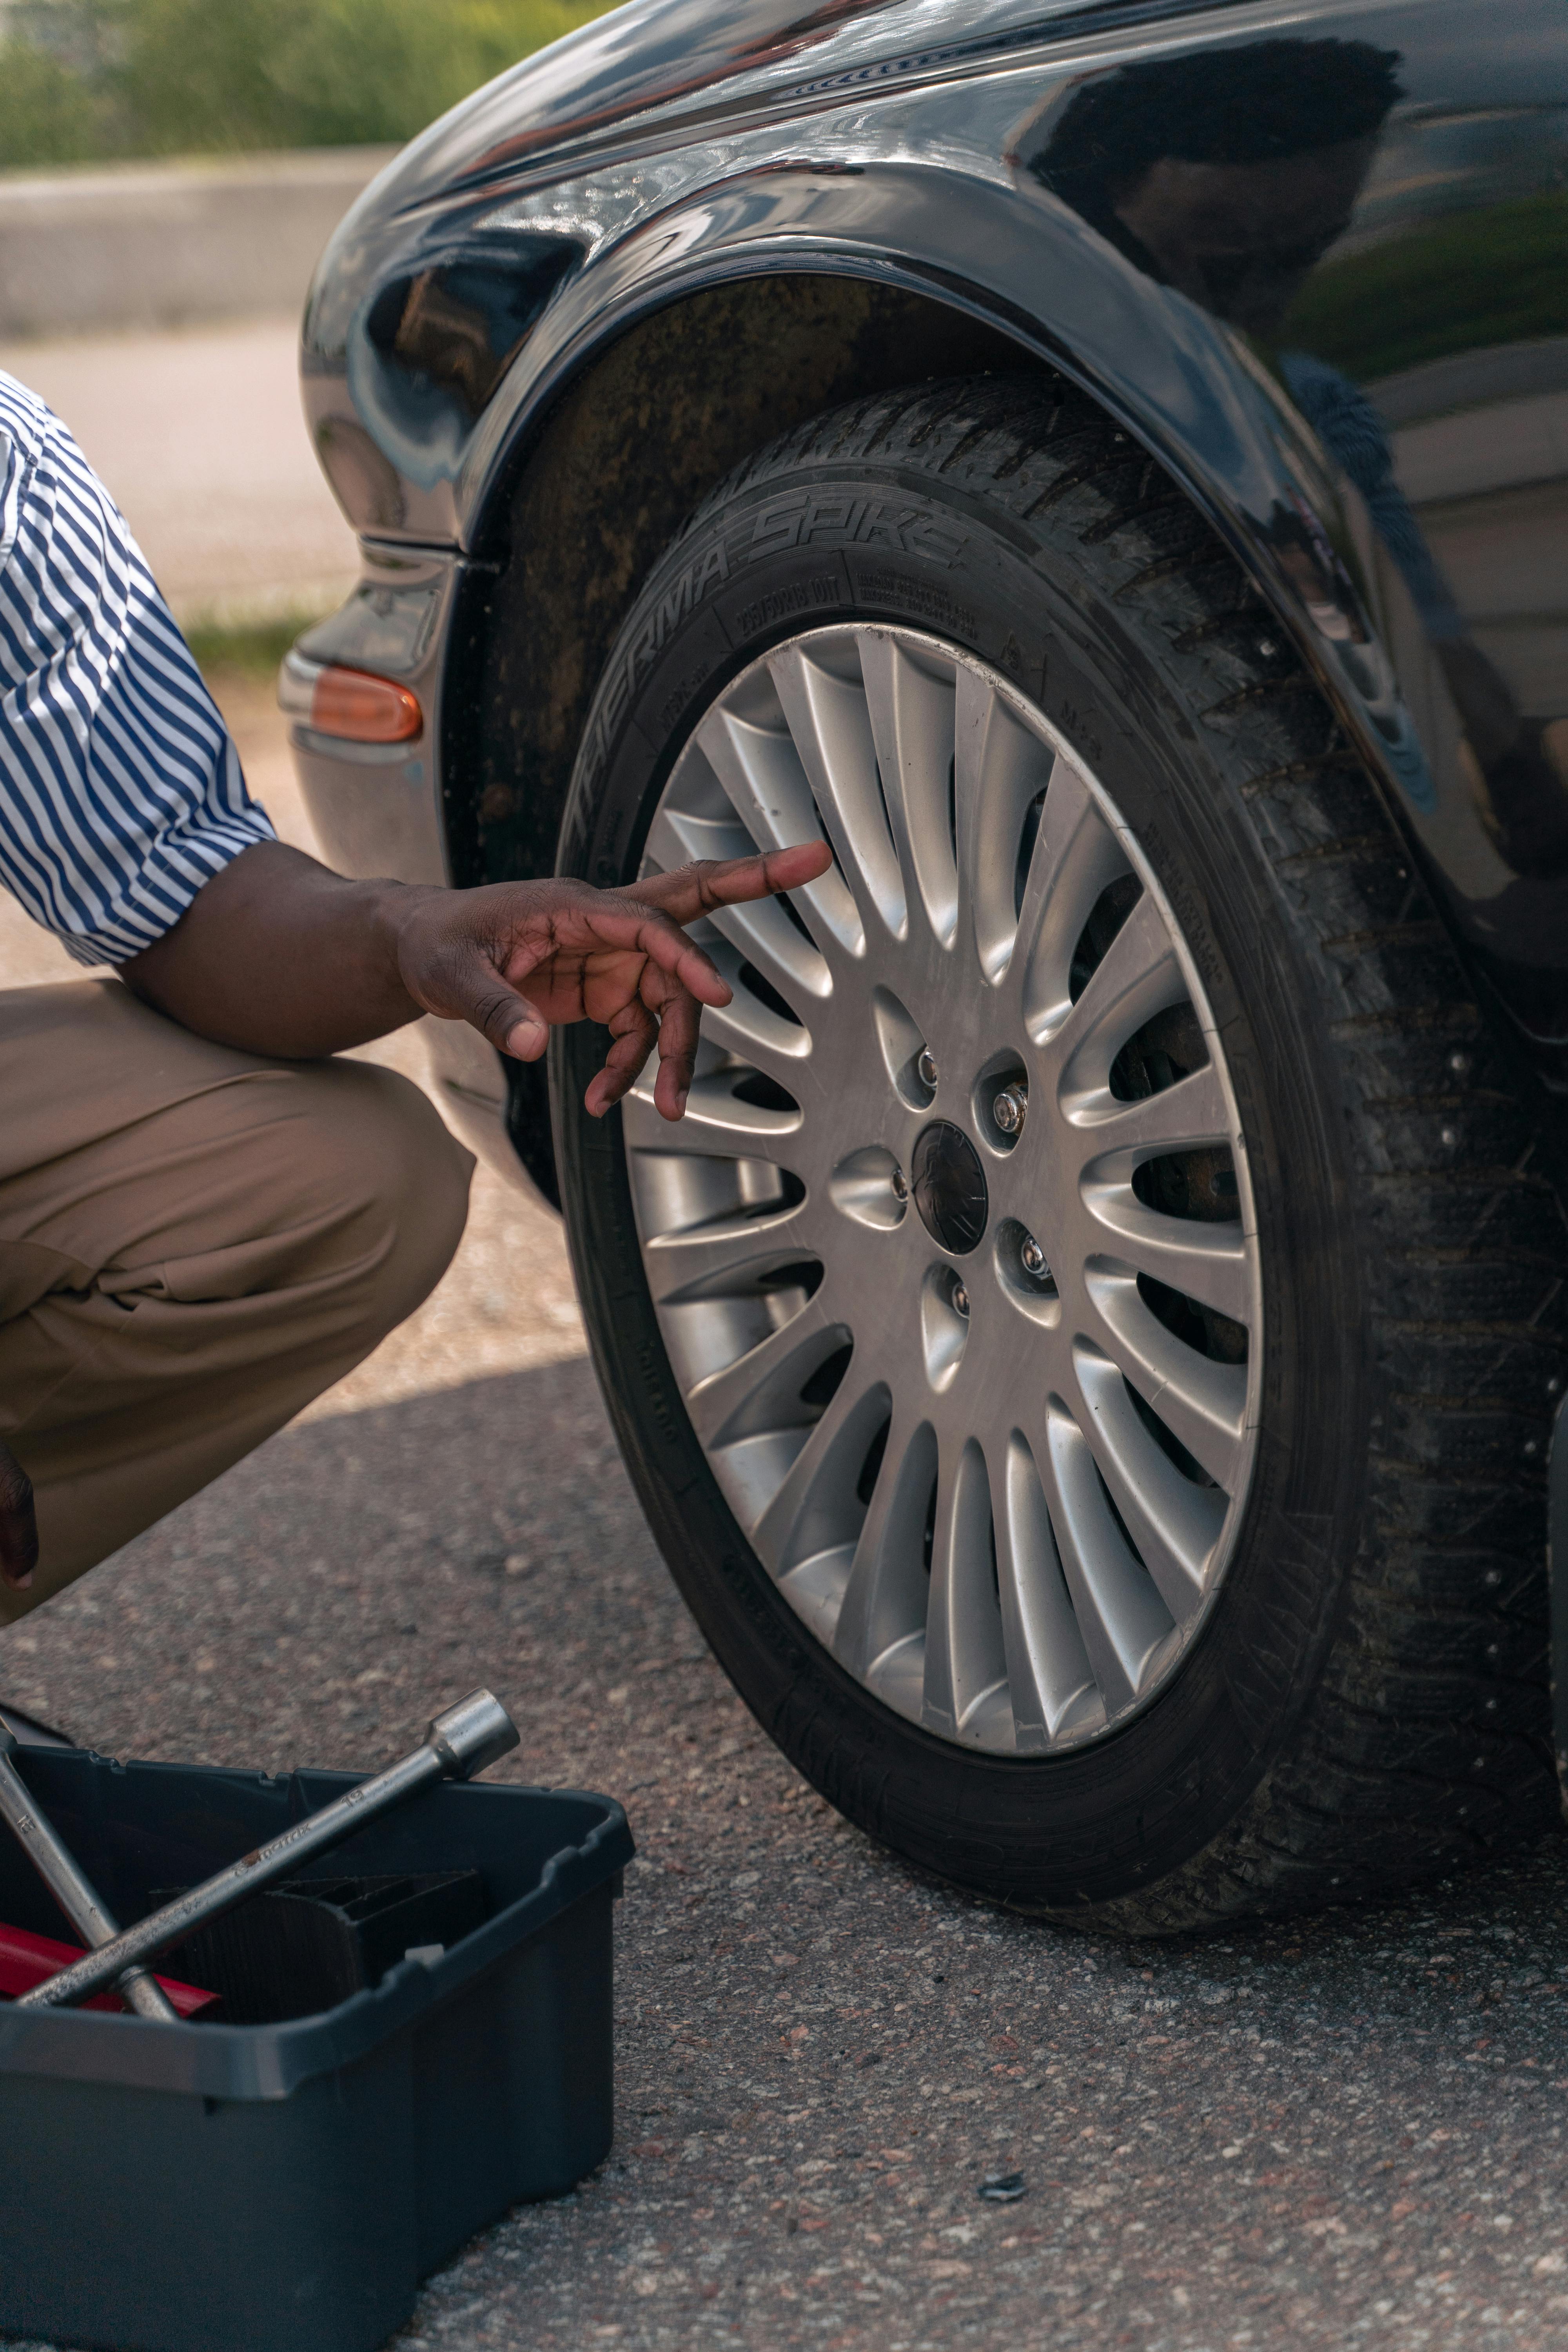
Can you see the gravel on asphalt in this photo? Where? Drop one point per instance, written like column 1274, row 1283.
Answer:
column 1316, row 2132
column 1310, row 2132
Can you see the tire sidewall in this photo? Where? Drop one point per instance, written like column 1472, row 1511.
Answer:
column 852, row 542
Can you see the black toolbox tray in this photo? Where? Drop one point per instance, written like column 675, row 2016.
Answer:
column 306, row 1944
column 284, row 2187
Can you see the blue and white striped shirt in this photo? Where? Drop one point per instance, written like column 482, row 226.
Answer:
column 120, row 791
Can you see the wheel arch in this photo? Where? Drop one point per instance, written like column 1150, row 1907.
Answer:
column 597, row 479
column 591, row 465
column 588, row 500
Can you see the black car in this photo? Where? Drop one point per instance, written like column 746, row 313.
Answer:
column 1090, row 1354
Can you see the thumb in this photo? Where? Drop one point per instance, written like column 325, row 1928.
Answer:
column 529, row 1034
column 458, row 977
column 511, row 1023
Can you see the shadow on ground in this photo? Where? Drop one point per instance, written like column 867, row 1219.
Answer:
column 1302, row 2133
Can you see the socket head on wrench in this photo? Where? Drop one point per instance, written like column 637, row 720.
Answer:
column 472, row 1734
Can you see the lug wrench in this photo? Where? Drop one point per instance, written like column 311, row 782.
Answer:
column 458, row 1744
column 71, row 1889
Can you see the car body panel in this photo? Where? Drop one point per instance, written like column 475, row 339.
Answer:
column 1412, row 536
column 373, row 804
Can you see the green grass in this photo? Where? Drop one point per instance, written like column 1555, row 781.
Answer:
column 1494, row 277
column 251, row 650
column 87, row 80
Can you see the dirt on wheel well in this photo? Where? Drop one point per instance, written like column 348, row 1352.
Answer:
column 632, row 446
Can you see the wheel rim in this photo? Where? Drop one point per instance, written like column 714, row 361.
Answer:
column 954, row 1253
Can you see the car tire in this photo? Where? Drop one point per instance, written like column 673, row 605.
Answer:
column 1357, row 1695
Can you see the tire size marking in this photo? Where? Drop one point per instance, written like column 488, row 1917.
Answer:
column 785, row 604
column 924, row 600
column 1075, row 723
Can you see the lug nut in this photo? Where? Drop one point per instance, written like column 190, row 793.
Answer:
column 960, row 1299
column 926, row 1069
column 900, row 1183
column 1011, row 1108
column 1032, row 1257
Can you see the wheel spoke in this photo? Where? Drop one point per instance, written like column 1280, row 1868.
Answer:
column 715, row 1120
column 886, row 1597
column 726, row 1258
column 1137, row 977
column 1190, row 1115
column 966, row 1659
column 816, row 1508
column 1001, row 1487
column 1076, row 856
column 1123, row 1623
column 1203, row 1403
column 1212, row 1264
column 760, row 932
column 748, row 1026
column 760, row 1392
column 678, row 837
column 1000, row 770
column 1174, row 1524
column 1050, row 1682
column 832, row 731
column 787, row 959
column 912, row 714
column 761, row 770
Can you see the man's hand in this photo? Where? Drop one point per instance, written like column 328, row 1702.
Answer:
column 18, row 1528
column 519, row 958
column 277, row 955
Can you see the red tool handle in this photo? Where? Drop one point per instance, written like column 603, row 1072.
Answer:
column 28, row 1960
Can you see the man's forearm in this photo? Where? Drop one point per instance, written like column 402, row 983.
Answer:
column 277, row 955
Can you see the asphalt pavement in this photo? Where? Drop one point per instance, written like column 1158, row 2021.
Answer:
column 1335, row 2131
column 1346, row 2130
column 1339, row 2131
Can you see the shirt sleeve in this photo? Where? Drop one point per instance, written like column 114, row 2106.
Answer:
column 121, row 791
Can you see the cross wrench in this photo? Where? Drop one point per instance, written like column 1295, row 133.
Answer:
column 458, row 1744
column 72, row 1890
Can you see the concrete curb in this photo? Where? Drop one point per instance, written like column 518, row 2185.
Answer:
column 170, row 244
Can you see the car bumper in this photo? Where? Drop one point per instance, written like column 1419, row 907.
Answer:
column 377, row 807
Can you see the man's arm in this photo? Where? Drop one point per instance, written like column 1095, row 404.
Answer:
column 277, row 955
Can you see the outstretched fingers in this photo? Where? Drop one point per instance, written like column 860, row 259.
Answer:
column 678, row 1026
column 633, row 1034
column 693, row 891
column 660, row 905
column 634, row 1030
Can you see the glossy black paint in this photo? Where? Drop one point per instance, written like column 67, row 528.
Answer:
column 1315, row 258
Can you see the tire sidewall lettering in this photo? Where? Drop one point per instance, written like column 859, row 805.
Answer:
column 784, row 557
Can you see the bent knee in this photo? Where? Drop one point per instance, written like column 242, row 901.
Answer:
column 399, row 1174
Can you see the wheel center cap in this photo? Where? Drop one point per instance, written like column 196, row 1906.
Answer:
column 949, row 1185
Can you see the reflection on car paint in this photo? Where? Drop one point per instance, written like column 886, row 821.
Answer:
column 1318, row 262
column 1231, row 179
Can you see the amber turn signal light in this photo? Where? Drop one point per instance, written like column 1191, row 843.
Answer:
column 364, row 709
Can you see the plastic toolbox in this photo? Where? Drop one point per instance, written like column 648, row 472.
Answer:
column 284, row 2187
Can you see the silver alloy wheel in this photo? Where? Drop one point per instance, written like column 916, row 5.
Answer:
column 954, row 1253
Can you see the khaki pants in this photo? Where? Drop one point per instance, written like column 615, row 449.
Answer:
column 193, row 1242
